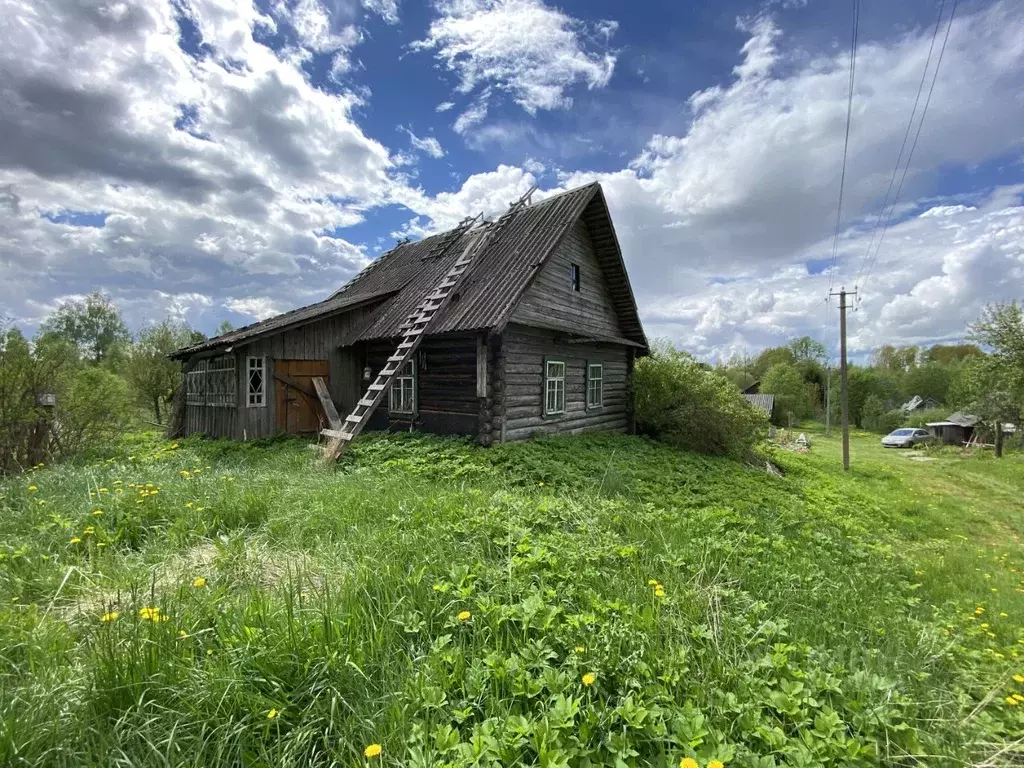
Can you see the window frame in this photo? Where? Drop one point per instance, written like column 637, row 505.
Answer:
column 261, row 392
column 590, row 378
column 548, row 379
column 398, row 381
column 575, row 278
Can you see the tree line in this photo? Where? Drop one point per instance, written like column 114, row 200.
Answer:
column 83, row 379
column 984, row 377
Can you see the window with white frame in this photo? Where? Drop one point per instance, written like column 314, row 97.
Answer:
column 256, row 382
column 554, row 387
column 595, row 385
column 403, row 390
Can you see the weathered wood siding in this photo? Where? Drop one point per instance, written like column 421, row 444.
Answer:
column 446, row 394
column 550, row 302
column 521, row 383
column 318, row 340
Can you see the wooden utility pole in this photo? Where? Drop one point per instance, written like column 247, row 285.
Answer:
column 844, row 398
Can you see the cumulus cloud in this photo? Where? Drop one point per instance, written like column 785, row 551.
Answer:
column 531, row 51
column 259, row 308
column 249, row 191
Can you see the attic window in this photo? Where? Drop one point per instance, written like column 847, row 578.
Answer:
column 574, row 277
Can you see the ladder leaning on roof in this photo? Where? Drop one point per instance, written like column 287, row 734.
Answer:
column 415, row 326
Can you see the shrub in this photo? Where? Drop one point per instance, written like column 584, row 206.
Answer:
column 683, row 403
column 792, row 396
column 922, row 417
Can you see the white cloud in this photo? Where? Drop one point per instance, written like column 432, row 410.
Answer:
column 258, row 307
column 525, row 48
column 250, row 196
column 474, row 114
column 386, row 9
column 428, row 145
column 444, row 106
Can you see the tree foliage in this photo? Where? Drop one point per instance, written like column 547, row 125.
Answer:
column 153, row 376
column 791, row 393
column 94, row 325
column 683, row 403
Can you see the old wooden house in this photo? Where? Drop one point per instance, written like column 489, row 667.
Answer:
column 528, row 325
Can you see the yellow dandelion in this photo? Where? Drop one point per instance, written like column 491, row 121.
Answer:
column 89, row 531
column 580, row 649
column 209, row 651
column 149, row 614
column 688, row 762
column 272, row 714
column 75, row 540
column 104, row 490
column 32, row 489
column 979, row 610
column 653, row 583
column 716, row 764
column 1011, row 701
column 1019, row 678
column 97, row 512
column 101, row 544
column 188, row 505
column 1018, row 697
column 464, row 616
column 1003, row 615
column 984, row 625
column 199, row 581
column 589, row 679
column 185, row 473
column 372, row 750
column 182, row 634
column 110, row 616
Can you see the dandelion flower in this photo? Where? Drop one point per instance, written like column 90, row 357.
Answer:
column 659, row 591
column 1011, row 701
column 149, row 614
column 589, row 679
column 373, row 750
column 104, row 490
column 97, row 512
column 101, row 544
column 716, row 764
column 580, row 649
column 1003, row 615
column 199, row 581
column 979, row 610
column 182, row 634
column 89, row 531
column 272, row 714
column 1019, row 678
column 654, row 583
column 110, row 616
column 32, row 489
column 185, row 473
column 688, row 762
column 75, row 540
column 465, row 616
column 1018, row 697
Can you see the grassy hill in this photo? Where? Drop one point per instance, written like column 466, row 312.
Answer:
column 574, row 601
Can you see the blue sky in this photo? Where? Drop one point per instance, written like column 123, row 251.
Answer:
column 215, row 160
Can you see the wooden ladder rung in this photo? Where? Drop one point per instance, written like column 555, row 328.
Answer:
column 366, row 402
column 353, row 419
column 376, row 386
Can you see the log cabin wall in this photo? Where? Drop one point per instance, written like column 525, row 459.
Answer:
column 446, row 386
column 522, row 384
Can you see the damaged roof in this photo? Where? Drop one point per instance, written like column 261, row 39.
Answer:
column 396, row 282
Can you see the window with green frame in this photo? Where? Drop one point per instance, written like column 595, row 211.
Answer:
column 595, row 385
column 554, row 387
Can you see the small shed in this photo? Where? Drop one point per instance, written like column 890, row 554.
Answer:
column 763, row 402
column 957, row 429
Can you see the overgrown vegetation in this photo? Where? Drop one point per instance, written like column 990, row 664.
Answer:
column 684, row 403
column 573, row 601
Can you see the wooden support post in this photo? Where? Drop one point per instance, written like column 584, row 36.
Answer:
column 844, row 398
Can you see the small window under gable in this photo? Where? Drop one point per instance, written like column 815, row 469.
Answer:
column 256, row 382
column 574, row 277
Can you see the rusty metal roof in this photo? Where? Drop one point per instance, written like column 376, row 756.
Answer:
column 489, row 290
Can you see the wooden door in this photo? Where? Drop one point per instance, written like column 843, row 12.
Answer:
column 298, row 407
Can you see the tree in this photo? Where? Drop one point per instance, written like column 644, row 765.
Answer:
column 890, row 358
column 995, row 383
column 791, row 393
column 928, row 380
column 94, row 325
column 226, row 326
column 949, row 354
column 153, row 376
column 770, row 357
column 806, row 349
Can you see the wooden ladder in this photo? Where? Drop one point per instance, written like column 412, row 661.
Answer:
column 415, row 326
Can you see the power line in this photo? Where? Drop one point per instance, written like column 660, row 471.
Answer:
column 846, row 141
column 903, row 146
column 913, row 146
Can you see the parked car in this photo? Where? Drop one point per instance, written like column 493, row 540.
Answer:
column 906, row 438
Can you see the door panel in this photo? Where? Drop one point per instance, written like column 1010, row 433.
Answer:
column 297, row 410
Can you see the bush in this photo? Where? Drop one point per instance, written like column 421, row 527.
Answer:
column 683, row 403
column 922, row 417
column 792, row 395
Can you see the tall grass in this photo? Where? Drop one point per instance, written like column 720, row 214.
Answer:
column 575, row 601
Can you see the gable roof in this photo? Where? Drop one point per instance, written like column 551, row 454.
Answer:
column 763, row 402
column 488, row 292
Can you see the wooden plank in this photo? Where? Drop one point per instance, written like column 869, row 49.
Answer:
column 325, row 400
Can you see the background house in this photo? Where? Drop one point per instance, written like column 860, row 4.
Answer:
column 957, row 429
column 540, row 335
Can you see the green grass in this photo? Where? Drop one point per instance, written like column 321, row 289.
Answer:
column 724, row 613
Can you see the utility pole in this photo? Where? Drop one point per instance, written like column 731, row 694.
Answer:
column 844, row 399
